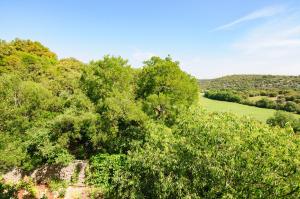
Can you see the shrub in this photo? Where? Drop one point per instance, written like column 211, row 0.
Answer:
column 290, row 106
column 296, row 125
column 265, row 103
column 103, row 168
column 29, row 186
column 272, row 94
column 282, row 119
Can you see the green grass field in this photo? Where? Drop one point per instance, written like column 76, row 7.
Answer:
column 260, row 114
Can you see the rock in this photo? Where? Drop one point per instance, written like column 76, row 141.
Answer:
column 45, row 173
column 14, row 176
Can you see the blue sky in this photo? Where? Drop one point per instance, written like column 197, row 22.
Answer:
column 210, row 38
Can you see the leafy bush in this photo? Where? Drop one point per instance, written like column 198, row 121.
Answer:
column 282, row 119
column 290, row 106
column 103, row 168
column 296, row 125
column 265, row 103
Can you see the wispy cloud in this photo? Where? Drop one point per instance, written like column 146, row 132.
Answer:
column 261, row 13
column 282, row 35
column 271, row 47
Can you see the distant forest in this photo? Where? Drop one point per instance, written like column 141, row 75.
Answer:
column 252, row 82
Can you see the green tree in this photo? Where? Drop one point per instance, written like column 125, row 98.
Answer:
column 165, row 88
column 109, row 84
column 104, row 77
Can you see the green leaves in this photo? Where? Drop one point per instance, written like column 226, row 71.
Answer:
column 163, row 89
column 104, row 168
column 107, row 75
column 213, row 156
column 141, row 130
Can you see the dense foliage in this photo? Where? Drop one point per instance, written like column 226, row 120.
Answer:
column 163, row 87
column 141, row 129
column 211, row 156
column 53, row 111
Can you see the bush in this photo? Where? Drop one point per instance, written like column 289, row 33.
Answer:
column 272, row 94
column 282, row 119
column 290, row 106
column 265, row 103
column 248, row 102
column 103, row 168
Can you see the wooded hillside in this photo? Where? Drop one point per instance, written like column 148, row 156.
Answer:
column 252, row 82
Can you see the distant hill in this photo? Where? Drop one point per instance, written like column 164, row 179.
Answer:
column 250, row 82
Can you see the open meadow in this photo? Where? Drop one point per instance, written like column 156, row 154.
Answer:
column 261, row 114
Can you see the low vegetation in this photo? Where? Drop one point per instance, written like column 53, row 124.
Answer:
column 8, row 191
column 142, row 130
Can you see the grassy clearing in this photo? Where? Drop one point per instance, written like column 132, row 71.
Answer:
column 260, row 114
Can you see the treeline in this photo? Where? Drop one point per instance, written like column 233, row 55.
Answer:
column 141, row 129
column 288, row 103
column 223, row 95
column 253, row 82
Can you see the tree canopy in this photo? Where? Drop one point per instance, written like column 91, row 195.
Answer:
column 141, row 129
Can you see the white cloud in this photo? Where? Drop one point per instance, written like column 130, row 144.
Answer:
column 261, row 13
column 281, row 36
column 270, row 48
